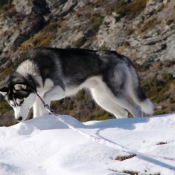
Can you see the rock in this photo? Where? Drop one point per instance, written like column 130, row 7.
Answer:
column 153, row 6
column 24, row 7
column 68, row 7
column 170, row 49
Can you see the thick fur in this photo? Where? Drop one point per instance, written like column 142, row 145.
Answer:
column 57, row 73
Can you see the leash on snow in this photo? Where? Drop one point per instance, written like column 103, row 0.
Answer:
column 101, row 140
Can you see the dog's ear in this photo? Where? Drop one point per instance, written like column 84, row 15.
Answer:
column 19, row 87
column 4, row 90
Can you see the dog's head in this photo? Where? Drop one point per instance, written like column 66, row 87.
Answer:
column 19, row 92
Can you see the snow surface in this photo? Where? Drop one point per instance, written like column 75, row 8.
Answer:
column 46, row 146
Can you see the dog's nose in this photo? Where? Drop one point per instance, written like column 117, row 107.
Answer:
column 19, row 119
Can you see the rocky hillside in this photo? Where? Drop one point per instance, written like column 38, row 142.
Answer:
column 143, row 30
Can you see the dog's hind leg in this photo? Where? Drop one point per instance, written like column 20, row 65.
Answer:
column 127, row 103
column 106, row 98
column 119, row 82
column 139, row 98
column 102, row 99
column 135, row 92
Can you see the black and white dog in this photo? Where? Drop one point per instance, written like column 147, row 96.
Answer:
column 57, row 73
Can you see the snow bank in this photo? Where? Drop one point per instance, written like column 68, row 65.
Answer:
column 45, row 146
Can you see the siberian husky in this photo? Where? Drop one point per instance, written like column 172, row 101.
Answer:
column 58, row 73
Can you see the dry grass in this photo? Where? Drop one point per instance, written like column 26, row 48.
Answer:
column 122, row 158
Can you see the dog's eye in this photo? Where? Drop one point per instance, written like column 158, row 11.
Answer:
column 19, row 101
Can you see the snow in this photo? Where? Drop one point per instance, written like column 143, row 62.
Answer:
column 46, row 146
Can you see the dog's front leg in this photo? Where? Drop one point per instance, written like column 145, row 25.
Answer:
column 38, row 108
column 55, row 93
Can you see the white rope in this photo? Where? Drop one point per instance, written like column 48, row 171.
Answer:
column 101, row 140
